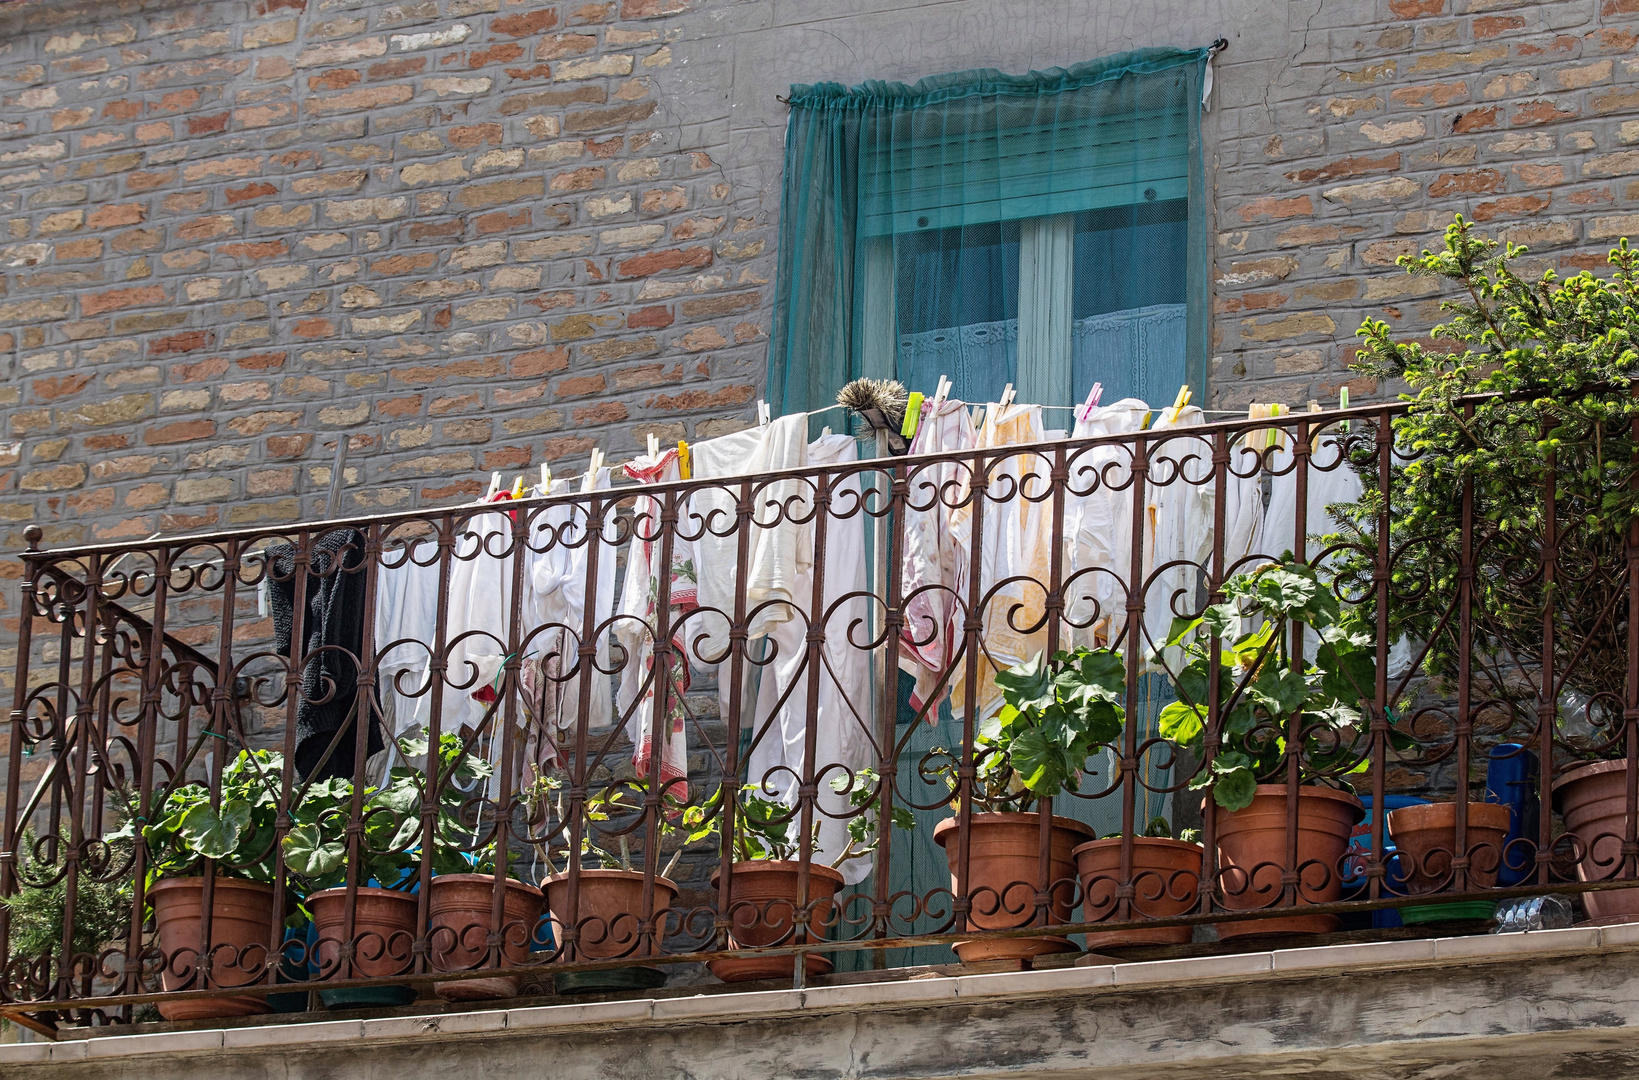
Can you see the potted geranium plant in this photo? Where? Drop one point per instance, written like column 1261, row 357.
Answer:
column 235, row 831
column 765, row 895
column 608, row 917
column 1528, row 382
column 1262, row 688
column 1056, row 713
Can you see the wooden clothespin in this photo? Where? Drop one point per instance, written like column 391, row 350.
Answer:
column 685, row 467
column 1093, row 397
column 546, row 479
column 494, row 485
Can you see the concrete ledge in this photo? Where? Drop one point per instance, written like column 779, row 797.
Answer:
column 677, row 1021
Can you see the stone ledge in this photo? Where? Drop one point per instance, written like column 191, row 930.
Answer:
column 721, row 1008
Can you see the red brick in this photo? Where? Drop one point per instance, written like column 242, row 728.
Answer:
column 268, row 361
column 147, row 181
column 539, row 71
column 1591, row 197
column 200, row 371
column 677, row 259
column 1615, row 40
column 1621, row 7
column 539, row 362
column 1540, row 175
column 336, row 79
column 52, row 387
column 1344, row 168
column 607, row 148
column 703, row 399
column 1273, row 206
column 105, row 217
column 582, row 385
column 208, row 125
column 1509, row 205
column 727, row 304
column 268, row 7
column 1491, row 25
column 529, row 22
column 254, row 252
column 566, row 446
column 124, row 109
column 260, row 189
column 405, row 264
column 313, row 328
column 1476, row 120
column 115, row 299
column 501, row 221
column 583, row 179
column 503, row 53
column 185, row 342
column 1540, row 112
column 658, row 318
column 466, row 137
column 1477, row 181
column 507, row 457
column 180, row 521
column 599, row 119
column 398, row 408
column 450, row 491
column 1413, row 9
column 178, row 101
column 604, row 412
column 397, row 69
column 288, row 446
column 117, row 441
column 179, row 432
column 78, row 249
column 1441, row 94
column 648, row 9
column 436, row 230
column 96, row 501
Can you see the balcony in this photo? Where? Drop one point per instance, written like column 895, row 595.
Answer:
column 1173, row 727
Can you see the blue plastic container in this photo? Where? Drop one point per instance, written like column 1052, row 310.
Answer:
column 1360, row 852
column 1511, row 778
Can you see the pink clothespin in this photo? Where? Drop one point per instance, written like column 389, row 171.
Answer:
column 1091, row 403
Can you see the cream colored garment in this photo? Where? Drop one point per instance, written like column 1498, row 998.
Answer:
column 556, row 572
column 843, row 716
column 1015, row 555
column 1178, row 527
column 1098, row 524
column 934, row 562
column 480, row 605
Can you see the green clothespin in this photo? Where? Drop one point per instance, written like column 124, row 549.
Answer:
column 913, row 415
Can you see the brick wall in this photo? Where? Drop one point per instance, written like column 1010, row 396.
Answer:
column 475, row 235
column 463, row 235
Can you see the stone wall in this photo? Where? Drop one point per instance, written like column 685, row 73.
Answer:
column 476, row 234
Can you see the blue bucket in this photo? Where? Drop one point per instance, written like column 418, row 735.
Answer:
column 1360, row 852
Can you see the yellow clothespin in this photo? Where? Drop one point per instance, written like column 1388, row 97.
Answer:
column 913, row 414
column 1180, row 401
column 518, row 487
column 685, row 468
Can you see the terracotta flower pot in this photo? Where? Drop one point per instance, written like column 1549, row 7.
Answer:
column 1252, row 857
column 611, row 907
column 1593, row 802
column 763, row 902
column 241, row 920
column 384, row 929
column 1166, row 876
column 459, row 908
column 1004, row 872
column 1426, row 837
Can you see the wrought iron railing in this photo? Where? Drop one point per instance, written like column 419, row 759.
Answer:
column 627, row 699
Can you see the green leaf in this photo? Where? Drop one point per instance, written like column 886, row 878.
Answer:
column 215, row 833
column 1182, row 724
column 309, row 854
column 1233, row 789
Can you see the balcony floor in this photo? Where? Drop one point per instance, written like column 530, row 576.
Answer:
column 1558, row 1003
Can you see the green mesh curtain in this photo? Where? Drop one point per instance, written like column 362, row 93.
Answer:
column 1046, row 230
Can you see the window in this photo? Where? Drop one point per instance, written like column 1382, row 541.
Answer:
column 1045, row 230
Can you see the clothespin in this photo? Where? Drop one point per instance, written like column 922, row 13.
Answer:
column 913, row 413
column 1180, row 401
column 685, row 467
column 654, row 445
column 943, row 392
column 1007, row 397
column 589, row 482
column 1343, row 403
column 494, row 485
column 546, row 478
column 763, row 416
column 518, row 487
column 1087, row 407
column 825, row 432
